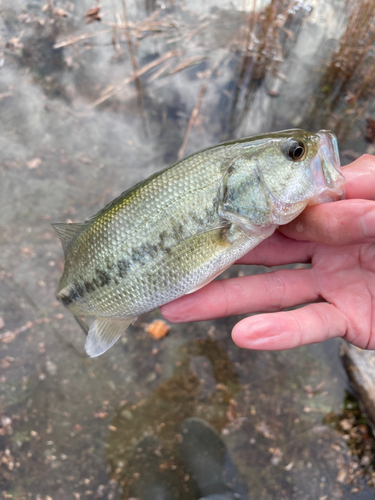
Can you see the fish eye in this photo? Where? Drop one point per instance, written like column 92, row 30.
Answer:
column 295, row 150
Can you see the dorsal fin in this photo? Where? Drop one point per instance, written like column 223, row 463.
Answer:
column 67, row 232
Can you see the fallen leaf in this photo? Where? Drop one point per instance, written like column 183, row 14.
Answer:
column 60, row 12
column 158, row 329
column 93, row 15
column 35, row 162
column 8, row 337
column 370, row 130
column 341, row 476
column 6, row 362
column 263, row 429
column 101, row 414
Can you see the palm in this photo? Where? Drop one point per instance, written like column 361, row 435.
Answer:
column 345, row 278
column 339, row 288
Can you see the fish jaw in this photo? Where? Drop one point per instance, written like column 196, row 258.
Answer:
column 327, row 180
column 325, row 171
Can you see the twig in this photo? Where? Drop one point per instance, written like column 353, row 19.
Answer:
column 6, row 94
column 202, row 91
column 134, row 63
column 84, row 36
column 160, row 71
column 187, row 64
column 141, row 71
column 115, row 43
column 193, row 33
column 192, row 119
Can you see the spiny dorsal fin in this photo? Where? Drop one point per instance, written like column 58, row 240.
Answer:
column 103, row 333
column 67, row 232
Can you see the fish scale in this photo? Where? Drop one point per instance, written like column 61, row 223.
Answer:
column 174, row 232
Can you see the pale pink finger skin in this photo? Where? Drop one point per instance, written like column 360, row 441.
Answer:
column 263, row 292
column 346, row 222
column 360, row 178
column 346, row 280
column 286, row 330
column 278, row 250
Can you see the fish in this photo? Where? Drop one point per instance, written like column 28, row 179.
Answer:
column 176, row 231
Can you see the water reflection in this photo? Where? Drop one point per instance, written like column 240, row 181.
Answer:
column 86, row 111
column 203, row 385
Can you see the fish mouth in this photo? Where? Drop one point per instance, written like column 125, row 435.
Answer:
column 326, row 170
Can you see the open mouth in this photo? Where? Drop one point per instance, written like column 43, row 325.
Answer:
column 326, row 170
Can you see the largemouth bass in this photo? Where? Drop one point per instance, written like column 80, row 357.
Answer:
column 177, row 230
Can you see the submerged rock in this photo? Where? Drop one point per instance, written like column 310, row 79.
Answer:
column 360, row 366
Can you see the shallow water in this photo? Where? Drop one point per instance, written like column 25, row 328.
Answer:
column 70, row 425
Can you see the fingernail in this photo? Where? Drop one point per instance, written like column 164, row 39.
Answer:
column 368, row 224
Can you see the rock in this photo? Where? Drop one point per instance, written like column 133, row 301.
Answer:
column 360, row 366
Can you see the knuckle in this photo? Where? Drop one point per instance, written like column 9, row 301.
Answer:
column 331, row 226
column 224, row 299
column 276, row 289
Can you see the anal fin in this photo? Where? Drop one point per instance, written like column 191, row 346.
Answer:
column 103, row 333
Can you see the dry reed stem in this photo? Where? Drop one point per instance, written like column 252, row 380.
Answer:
column 6, row 94
column 115, row 43
column 193, row 33
column 162, row 70
column 79, row 38
column 110, row 92
column 187, row 64
column 192, row 119
column 134, row 61
column 198, row 102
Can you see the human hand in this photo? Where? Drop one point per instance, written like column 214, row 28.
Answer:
column 338, row 239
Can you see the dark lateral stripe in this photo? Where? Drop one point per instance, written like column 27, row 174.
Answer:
column 162, row 237
column 66, row 300
column 122, row 267
column 139, row 253
column 89, row 286
column 72, row 297
column 103, row 277
column 198, row 220
column 178, row 231
column 80, row 289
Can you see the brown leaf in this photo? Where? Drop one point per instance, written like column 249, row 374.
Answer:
column 158, row 329
column 6, row 362
column 370, row 130
column 101, row 414
column 93, row 14
column 60, row 12
column 35, row 162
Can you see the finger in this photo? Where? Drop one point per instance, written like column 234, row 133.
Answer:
column 261, row 292
column 285, row 330
column 344, row 222
column 278, row 250
column 360, row 178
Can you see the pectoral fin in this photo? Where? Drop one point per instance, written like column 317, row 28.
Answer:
column 246, row 201
column 103, row 333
